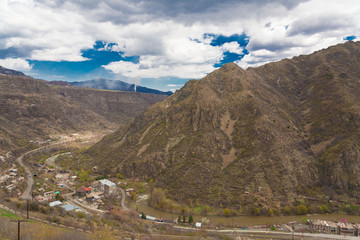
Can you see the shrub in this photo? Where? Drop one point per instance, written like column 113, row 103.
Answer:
column 301, row 209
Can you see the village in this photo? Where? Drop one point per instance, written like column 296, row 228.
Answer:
column 57, row 187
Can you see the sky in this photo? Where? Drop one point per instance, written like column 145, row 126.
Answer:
column 162, row 44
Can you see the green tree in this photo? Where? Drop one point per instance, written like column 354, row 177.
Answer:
column 143, row 216
column 271, row 212
column 256, row 211
column 301, row 209
column 191, row 219
column 324, row 209
column 184, row 220
column 227, row 212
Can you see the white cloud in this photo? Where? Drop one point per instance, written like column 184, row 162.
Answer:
column 16, row 64
column 132, row 70
column 159, row 31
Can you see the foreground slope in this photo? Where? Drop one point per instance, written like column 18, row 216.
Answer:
column 30, row 109
column 262, row 136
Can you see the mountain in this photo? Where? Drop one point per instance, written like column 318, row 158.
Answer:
column 30, row 109
column 268, row 137
column 116, row 85
column 6, row 71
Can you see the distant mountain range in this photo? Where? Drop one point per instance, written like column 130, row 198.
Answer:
column 11, row 72
column 116, row 85
column 99, row 83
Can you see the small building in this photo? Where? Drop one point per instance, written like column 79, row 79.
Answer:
column 13, row 174
column 93, row 197
column 62, row 176
column 55, row 203
column 49, row 196
column 95, row 186
column 69, row 207
column 81, row 192
column 198, row 224
column 107, row 186
column 14, row 170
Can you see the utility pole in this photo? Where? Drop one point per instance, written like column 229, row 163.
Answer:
column 18, row 221
column 27, row 209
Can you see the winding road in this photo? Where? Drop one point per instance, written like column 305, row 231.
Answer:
column 30, row 181
column 123, row 197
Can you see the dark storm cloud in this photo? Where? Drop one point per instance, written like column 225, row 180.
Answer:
column 127, row 11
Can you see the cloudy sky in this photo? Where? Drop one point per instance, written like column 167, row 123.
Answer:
column 161, row 43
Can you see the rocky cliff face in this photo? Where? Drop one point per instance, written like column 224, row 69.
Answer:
column 261, row 136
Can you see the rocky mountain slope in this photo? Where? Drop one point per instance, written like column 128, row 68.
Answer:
column 6, row 71
column 265, row 136
column 30, row 109
column 116, row 85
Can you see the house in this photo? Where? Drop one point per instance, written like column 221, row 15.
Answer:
column 69, row 207
column 93, row 197
column 13, row 174
column 95, row 186
column 81, row 192
column 55, row 203
column 49, row 195
column 63, row 176
column 107, row 186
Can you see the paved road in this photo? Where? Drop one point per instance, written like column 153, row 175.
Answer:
column 123, row 197
column 297, row 235
column 30, row 181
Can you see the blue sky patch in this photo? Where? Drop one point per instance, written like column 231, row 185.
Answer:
column 100, row 54
column 349, row 38
column 219, row 40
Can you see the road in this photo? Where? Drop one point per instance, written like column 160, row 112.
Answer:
column 123, row 197
column 30, row 181
column 274, row 234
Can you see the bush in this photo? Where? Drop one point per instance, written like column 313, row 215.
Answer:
column 301, row 209
column 227, row 212
column 324, row 209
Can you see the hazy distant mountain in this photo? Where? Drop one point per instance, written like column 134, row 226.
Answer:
column 116, row 85
column 272, row 136
column 7, row 71
column 32, row 109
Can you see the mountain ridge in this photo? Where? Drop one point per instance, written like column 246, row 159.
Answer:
column 262, row 136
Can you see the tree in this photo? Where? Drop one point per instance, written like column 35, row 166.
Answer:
column 324, row 209
column 58, row 197
column 133, row 195
column 143, row 216
column 191, row 219
column 271, row 212
column 179, row 219
column 227, row 212
column 205, row 210
column 184, row 220
column 301, row 209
